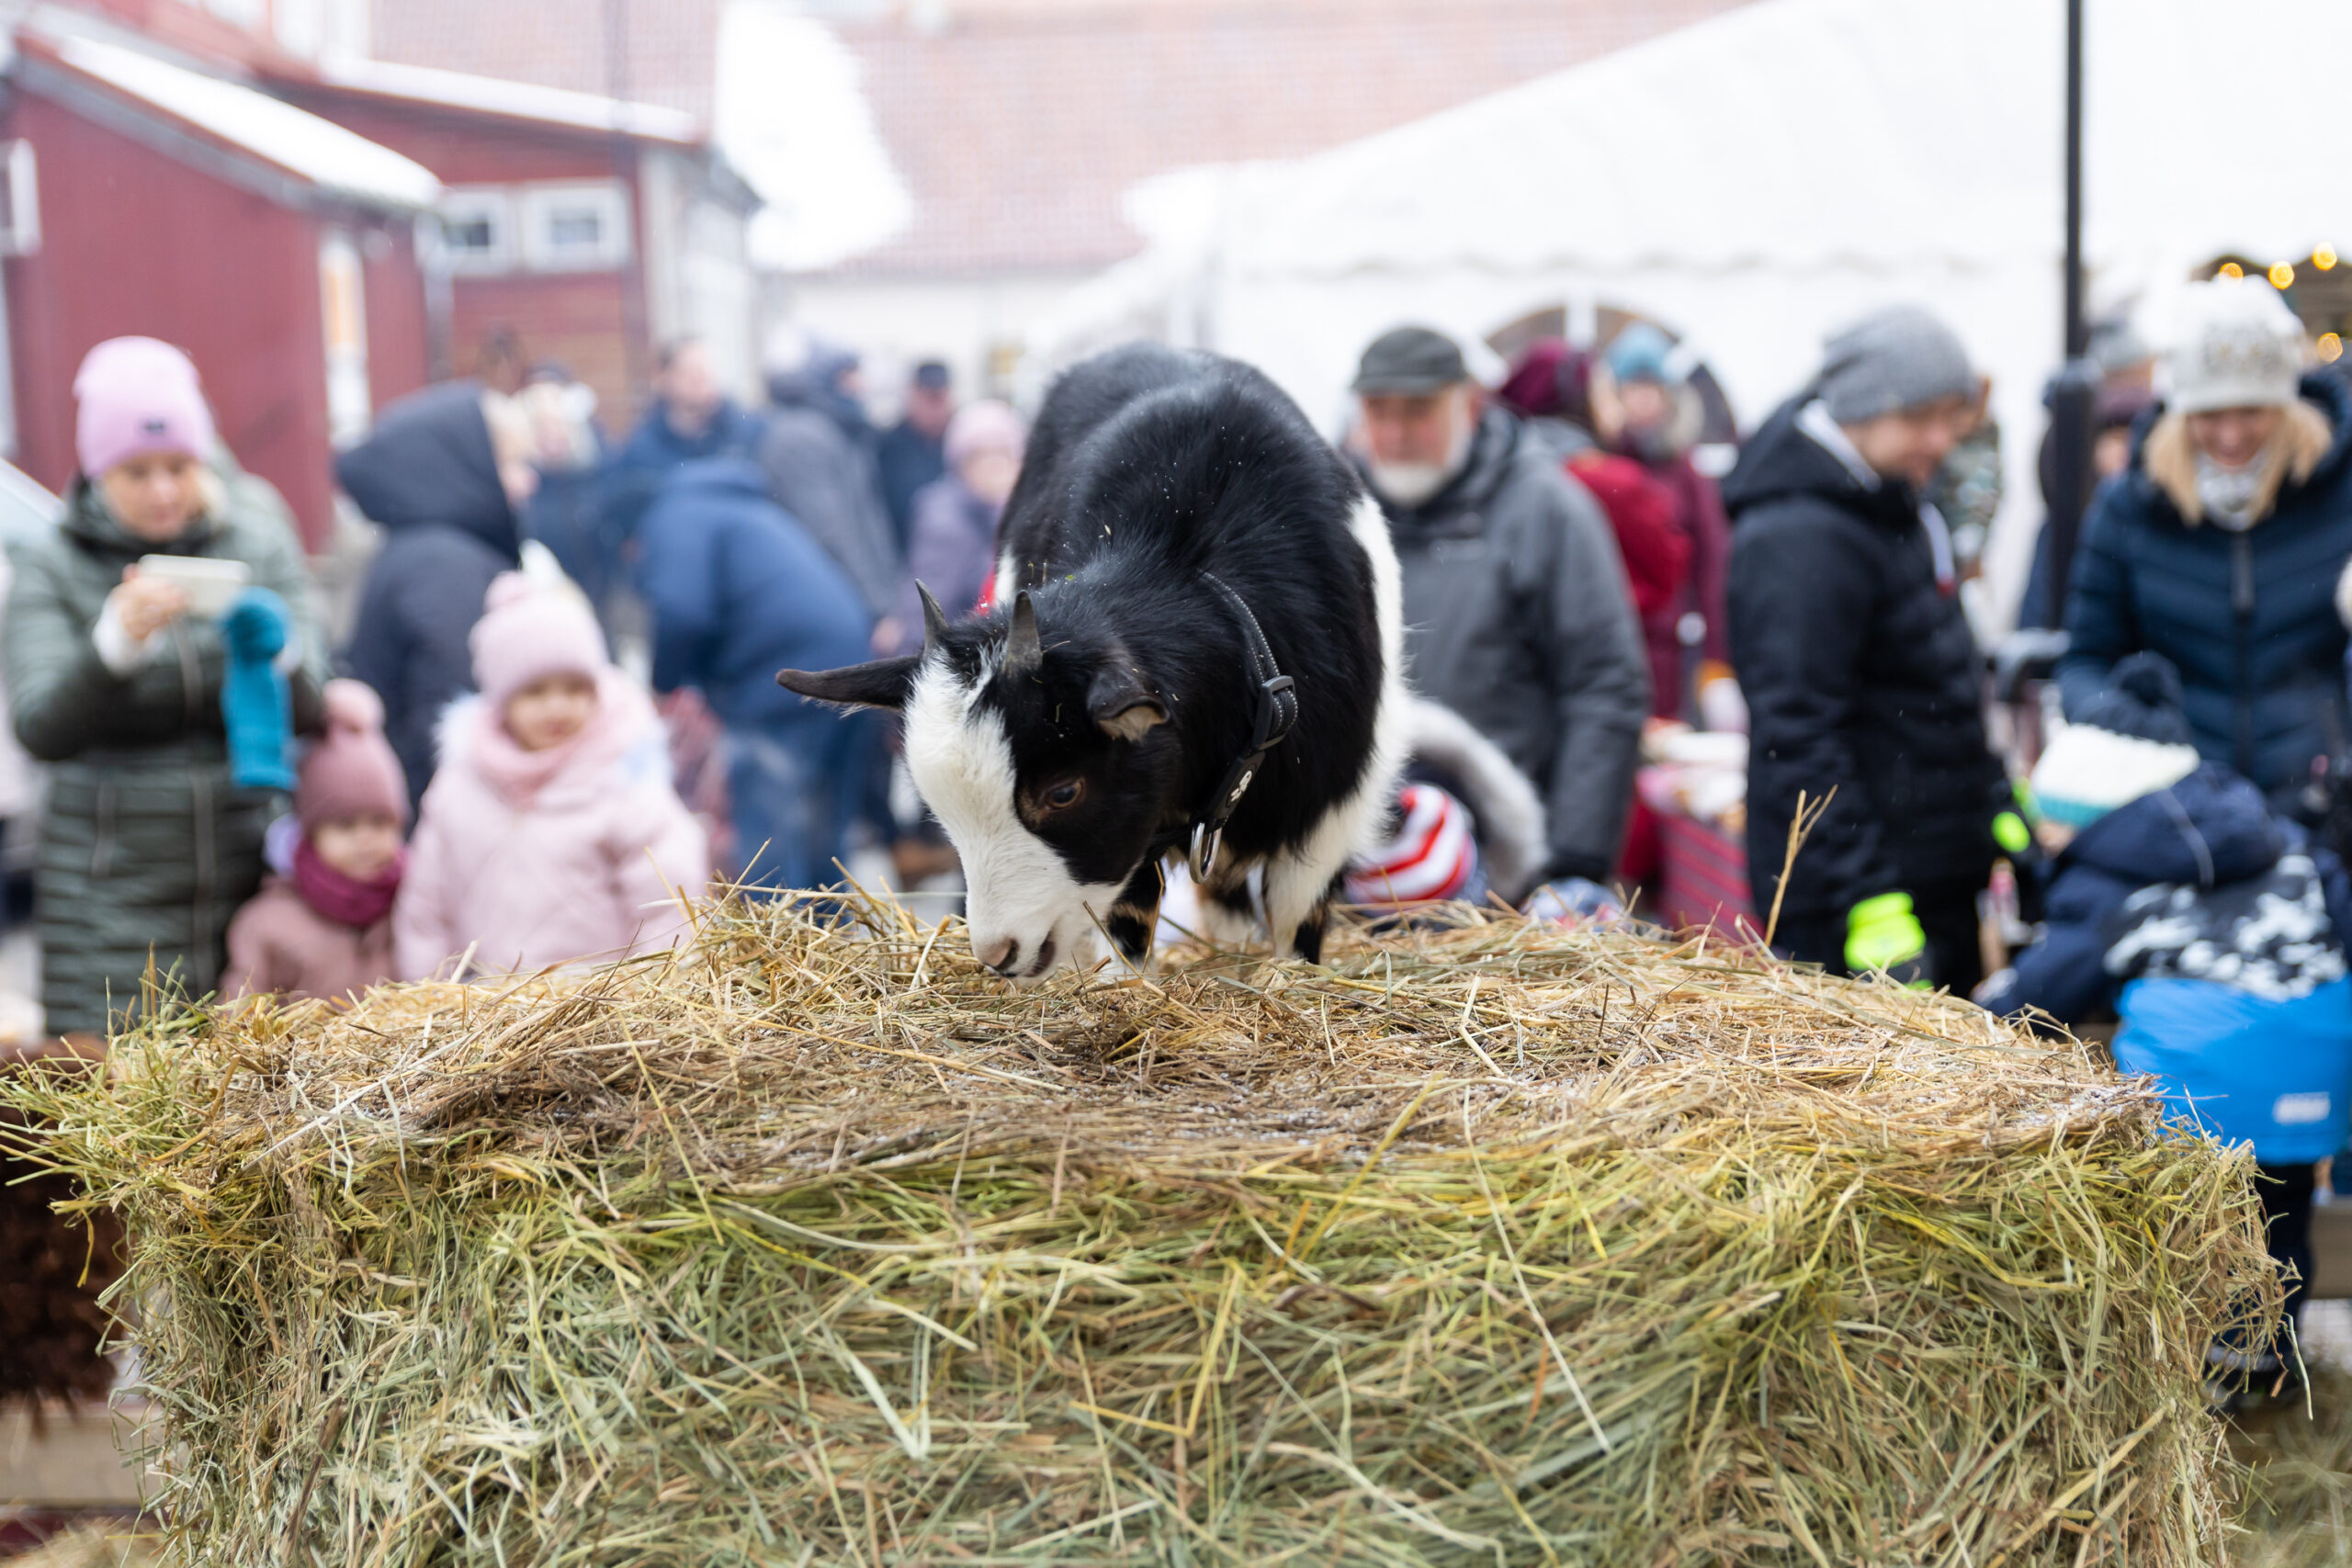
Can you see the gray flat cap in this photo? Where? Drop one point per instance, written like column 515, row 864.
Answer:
column 1410, row 361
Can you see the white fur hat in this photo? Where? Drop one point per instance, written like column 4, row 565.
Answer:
column 2128, row 738
column 2086, row 772
column 2236, row 344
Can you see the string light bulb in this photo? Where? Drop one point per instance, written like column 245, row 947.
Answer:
column 2231, row 269
column 2281, row 275
column 2330, row 346
column 2323, row 257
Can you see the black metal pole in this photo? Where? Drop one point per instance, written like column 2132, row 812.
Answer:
column 2078, row 336
column 2075, row 390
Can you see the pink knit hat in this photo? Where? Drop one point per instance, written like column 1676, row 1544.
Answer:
column 353, row 772
column 984, row 426
column 528, row 631
column 137, row 396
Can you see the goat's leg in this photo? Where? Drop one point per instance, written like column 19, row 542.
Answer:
column 1228, row 913
column 1298, row 906
column 1136, row 914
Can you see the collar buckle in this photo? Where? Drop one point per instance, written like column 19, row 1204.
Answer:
column 1276, row 711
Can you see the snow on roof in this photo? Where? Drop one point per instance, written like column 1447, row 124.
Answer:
column 1809, row 132
column 518, row 100
column 793, row 119
column 317, row 150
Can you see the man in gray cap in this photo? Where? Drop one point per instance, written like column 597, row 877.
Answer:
column 1516, row 611
column 1858, row 668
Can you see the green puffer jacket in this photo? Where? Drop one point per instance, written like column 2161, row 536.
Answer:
column 146, row 847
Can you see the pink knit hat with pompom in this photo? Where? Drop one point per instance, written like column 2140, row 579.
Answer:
column 353, row 772
column 529, row 631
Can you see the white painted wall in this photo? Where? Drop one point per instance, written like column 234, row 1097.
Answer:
column 976, row 324
column 698, row 279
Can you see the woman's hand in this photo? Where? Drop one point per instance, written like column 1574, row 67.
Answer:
column 145, row 606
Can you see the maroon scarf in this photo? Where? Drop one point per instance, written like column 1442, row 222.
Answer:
column 341, row 898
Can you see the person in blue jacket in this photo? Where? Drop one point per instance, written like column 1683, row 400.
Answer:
column 567, row 511
column 738, row 590
column 2215, row 931
column 2219, row 547
column 691, row 419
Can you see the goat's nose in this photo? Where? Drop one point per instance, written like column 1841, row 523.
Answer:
column 1004, row 956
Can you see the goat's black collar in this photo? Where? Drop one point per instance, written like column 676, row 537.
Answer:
column 1275, row 702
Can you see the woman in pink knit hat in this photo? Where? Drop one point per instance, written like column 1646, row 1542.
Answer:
column 323, row 927
column 550, row 834
column 164, row 721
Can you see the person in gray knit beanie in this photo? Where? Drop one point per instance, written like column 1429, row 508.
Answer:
column 1899, row 359
column 1861, row 674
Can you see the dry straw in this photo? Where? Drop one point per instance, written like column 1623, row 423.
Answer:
column 1486, row 1246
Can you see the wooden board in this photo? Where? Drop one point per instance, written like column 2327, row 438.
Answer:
column 2332, row 1250
column 68, row 1459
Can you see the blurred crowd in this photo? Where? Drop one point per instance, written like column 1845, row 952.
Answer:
column 555, row 718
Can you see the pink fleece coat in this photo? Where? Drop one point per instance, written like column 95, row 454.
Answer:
column 277, row 942
column 585, row 866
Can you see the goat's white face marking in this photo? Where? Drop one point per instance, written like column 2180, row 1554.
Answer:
column 1019, row 888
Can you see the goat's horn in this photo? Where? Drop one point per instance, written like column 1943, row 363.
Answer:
column 934, row 621
column 1023, row 654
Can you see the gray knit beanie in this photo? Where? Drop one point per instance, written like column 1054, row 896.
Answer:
column 1900, row 357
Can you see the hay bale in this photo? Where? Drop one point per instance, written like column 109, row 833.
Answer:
column 1489, row 1245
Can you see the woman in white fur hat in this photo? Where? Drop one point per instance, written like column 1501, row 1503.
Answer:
column 2219, row 546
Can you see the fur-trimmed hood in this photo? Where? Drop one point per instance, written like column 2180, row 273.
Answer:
column 587, row 863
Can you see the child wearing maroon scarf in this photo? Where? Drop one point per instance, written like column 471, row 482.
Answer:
column 323, row 927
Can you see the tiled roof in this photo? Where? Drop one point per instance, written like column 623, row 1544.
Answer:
column 1018, row 130
column 671, row 44
column 1019, row 123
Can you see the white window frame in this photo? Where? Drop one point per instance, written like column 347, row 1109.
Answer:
column 299, row 25
column 342, row 297
column 466, row 204
column 20, row 212
column 536, row 206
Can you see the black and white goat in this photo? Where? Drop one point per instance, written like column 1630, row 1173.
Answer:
column 1196, row 646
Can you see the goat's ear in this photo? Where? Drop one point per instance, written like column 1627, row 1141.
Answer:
column 1121, row 705
column 881, row 684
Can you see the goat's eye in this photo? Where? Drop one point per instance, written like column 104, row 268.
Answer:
column 1064, row 796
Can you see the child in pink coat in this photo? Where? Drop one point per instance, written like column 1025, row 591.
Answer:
column 550, row 834
column 322, row 926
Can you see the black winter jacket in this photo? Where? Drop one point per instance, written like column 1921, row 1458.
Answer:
column 1860, row 676
column 427, row 475
column 1518, row 618
column 2249, row 617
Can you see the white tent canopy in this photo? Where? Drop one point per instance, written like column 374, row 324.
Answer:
column 1752, row 181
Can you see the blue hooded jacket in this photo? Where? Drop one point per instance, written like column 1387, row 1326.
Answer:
column 2247, row 616
column 738, row 590
column 2215, row 929
column 428, row 476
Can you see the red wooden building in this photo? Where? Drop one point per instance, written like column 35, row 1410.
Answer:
column 149, row 189
column 579, row 228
